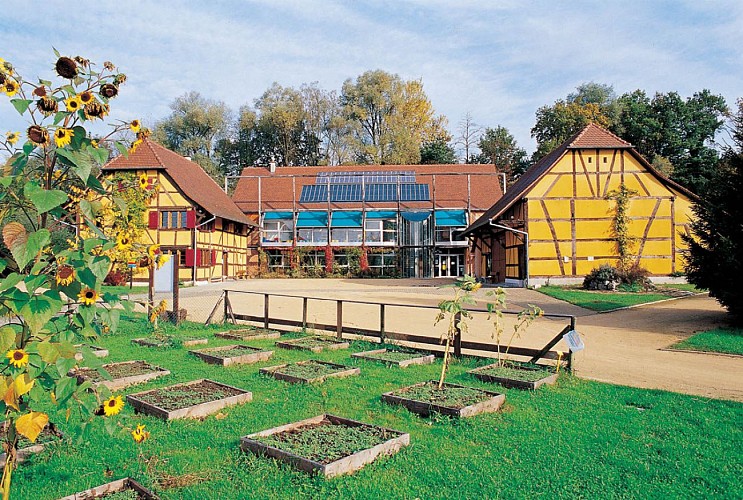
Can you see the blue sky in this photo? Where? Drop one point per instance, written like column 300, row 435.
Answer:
column 498, row 60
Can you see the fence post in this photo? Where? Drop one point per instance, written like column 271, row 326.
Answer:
column 226, row 305
column 570, row 353
column 304, row 313
column 457, row 335
column 381, row 323
column 339, row 319
column 176, row 291
column 265, row 310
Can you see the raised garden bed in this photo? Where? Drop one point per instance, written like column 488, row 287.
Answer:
column 122, row 374
column 326, row 444
column 169, row 341
column 99, row 352
column 311, row 371
column 249, row 334
column 452, row 400
column 515, row 375
column 314, row 344
column 232, row 355
column 392, row 357
column 120, row 489
column 195, row 399
column 49, row 434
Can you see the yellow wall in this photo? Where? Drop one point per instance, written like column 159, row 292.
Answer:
column 569, row 219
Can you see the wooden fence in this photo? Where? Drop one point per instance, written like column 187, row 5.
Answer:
column 382, row 333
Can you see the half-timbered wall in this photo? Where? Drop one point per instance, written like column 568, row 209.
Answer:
column 570, row 218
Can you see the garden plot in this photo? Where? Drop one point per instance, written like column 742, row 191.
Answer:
column 195, row 399
column 232, row 355
column 311, row 371
column 395, row 357
column 326, row 444
column 122, row 489
column 122, row 374
column 249, row 334
column 516, row 375
column 169, row 341
column 452, row 400
column 315, row 344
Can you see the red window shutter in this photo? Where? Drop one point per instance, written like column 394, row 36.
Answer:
column 199, row 257
column 189, row 257
column 152, row 224
column 190, row 219
column 213, row 256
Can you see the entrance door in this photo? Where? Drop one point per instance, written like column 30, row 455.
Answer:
column 449, row 265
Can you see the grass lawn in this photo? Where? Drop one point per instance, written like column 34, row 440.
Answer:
column 602, row 301
column 124, row 289
column 724, row 340
column 686, row 287
column 576, row 439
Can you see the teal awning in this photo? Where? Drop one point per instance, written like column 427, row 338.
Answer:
column 417, row 216
column 346, row 218
column 451, row 218
column 381, row 214
column 312, row 219
column 278, row 215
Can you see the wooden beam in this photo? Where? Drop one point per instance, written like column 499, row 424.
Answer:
column 554, row 238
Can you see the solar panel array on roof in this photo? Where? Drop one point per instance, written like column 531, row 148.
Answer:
column 367, row 177
column 371, row 192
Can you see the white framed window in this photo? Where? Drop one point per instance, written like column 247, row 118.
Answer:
column 278, row 231
column 312, row 235
column 346, row 235
column 381, row 231
column 449, row 235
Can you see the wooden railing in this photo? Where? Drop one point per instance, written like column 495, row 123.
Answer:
column 382, row 333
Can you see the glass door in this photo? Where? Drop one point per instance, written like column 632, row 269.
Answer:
column 449, row 265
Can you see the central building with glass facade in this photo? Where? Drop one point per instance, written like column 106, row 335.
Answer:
column 404, row 219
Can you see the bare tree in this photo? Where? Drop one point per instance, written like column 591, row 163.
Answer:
column 468, row 134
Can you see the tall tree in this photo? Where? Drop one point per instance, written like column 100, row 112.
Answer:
column 715, row 258
column 394, row 117
column 499, row 146
column 558, row 122
column 437, row 152
column 194, row 128
column 467, row 135
column 237, row 149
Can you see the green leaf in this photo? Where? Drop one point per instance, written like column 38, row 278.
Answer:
column 90, row 360
column 100, row 154
column 59, row 117
column 43, row 199
column 6, row 181
column 35, row 243
column 100, row 267
column 122, row 149
column 90, row 243
column 11, row 281
column 65, row 387
column 48, row 352
column 7, row 338
column 87, row 209
column 34, row 282
column 87, row 277
column 21, row 105
column 79, row 135
column 3, row 265
column 38, row 311
column 64, row 365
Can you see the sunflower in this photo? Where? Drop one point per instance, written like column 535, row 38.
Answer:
column 38, row 135
column 134, row 146
column 72, row 103
column 17, row 357
column 112, row 406
column 87, row 296
column 63, row 136
column 66, row 67
column 65, row 275
column 134, row 126
column 144, row 181
column 94, row 143
column 95, row 110
column 139, row 434
column 12, row 137
column 11, row 87
column 108, row 90
column 153, row 250
column 47, row 105
column 161, row 260
column 86, row 97
column 123, row 242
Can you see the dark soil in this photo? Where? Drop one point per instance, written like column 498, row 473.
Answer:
column 183, row 396
column 310, row 369
column 326, row 442
column 118, row 370
column 451, row 397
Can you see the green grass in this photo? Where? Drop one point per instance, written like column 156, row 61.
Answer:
column 516, row 373
column 686, row 287
column 124, row 289
column 724, row 340
column 578, row 438
column 601, row 301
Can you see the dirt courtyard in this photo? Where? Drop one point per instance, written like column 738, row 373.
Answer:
column 623, row 347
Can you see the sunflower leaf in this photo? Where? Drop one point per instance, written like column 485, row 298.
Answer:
column 44, row 199
column 31, row 424
column 122, row 149
column 38, row 311
column 100, row 267
column 59, row 117
column 7, row 338
column 21, row 105
column 48, row 351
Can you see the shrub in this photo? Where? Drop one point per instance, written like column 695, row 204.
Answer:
column 604, row 277
column 633, row 278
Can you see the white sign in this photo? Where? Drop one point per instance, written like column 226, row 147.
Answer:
column 575, row 343
column 164, row 277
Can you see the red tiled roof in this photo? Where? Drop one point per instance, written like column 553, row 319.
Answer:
column 282, row 189
column 187, row 175
column 593, row 136
column 590, row 137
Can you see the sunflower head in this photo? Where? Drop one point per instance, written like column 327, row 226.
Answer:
column 139, row 434
column 95, row 110
column 38, row 135
column 134, row 146
column 65, row 275
column 82, row 61
column 153, row 250
column 47, row 105
column 134, row 126
column 3, row 79
column 12, row 137
column 112, row 406
column 109, row 65
column 87, row 296
column 144, row 181
column 40, row 91
column 17, row 357
column 123, row 241
column 119, row 79
column 66, row 67
column 63, row 136
column 11, row 87
column 86, row 97
column 108, row 90
column 72, row 103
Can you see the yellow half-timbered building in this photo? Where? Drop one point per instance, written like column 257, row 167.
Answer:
column 189, row 216
column 556, row 221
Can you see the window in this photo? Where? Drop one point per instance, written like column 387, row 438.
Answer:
column 313, row 235
column 173, row 219
column 277, row 261
column 449, row 234
column 381, row 231
column 346, row 235
column 278, row 231
column 314, row 259
column 384, row 264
